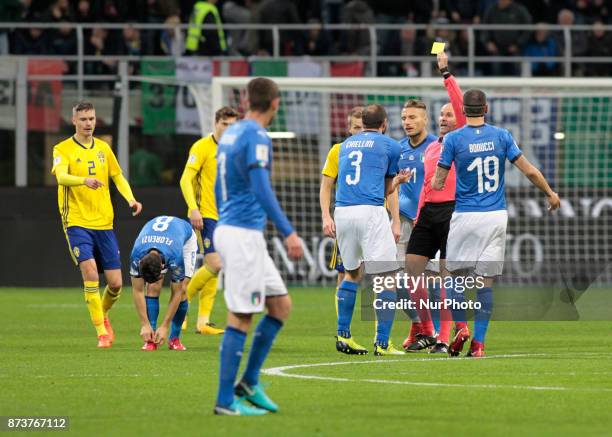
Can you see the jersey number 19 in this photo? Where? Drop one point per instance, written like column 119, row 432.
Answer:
column 483, row 167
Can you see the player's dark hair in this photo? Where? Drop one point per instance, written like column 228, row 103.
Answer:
column 414, row 103
column 474, row 103
column 356, row 112
column 261, row 92
column 151, row 267
column 373, row 116
column 82, row 106
column 225, row 112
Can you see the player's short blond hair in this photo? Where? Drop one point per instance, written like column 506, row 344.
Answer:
column 82, row 106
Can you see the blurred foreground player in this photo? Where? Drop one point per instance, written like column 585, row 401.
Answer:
column 164, row 244
column 83, row 166
column 245, row 199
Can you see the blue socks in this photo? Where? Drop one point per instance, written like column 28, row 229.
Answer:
column 483, row 315
column 152, row 310
column 347, row 294
column 404, row 295
column 384, row 318
column 458, row 298
column 231, row 354
column 178, row 319
column 264, row 336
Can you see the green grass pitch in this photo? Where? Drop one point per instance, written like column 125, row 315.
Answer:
column 541, row 378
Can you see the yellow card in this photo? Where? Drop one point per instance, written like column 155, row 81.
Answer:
column 437, row 47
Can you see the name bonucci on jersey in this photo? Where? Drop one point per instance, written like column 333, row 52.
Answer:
column 482, row 147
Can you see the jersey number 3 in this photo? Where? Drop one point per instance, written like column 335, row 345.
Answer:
column 483, row 167
column 356, row 156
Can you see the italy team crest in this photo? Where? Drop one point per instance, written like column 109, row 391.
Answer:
column 256, row 297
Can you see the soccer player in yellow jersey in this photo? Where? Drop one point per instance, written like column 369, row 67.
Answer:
column 198, row 187
column 83, row 166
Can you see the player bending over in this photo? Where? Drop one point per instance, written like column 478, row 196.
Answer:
column 245, row 198
column 164, row 243
column 477, row 235
column 430, row 232
column 197, row 185
column 83, row 166
column 367, row 167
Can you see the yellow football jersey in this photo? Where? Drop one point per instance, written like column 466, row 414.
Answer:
column 202, row 159
column 81, row 205
column 331, row 163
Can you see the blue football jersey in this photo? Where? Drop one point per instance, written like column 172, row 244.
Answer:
column 480, row 154
column 413, row 158
column 366, row 159
column 244, row 145
column 167, row 235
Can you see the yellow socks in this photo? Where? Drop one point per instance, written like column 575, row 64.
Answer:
column 109, row 298
column 94, row 305
column 207, row 300
column 203, row 282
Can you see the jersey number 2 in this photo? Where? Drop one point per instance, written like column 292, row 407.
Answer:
column 91, row 168
column 357, row 156
column 483, row 167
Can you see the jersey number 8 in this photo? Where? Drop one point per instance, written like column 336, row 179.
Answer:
column 161, row 223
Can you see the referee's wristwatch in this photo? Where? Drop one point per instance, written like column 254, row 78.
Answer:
column 445, row 73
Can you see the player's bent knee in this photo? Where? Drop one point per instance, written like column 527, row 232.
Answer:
column 279, row 307
column 213, row 261
column 353, row 275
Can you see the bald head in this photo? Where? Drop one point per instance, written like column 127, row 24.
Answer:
column 447, row 120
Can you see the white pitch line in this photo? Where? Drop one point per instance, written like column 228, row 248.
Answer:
column 281, row 371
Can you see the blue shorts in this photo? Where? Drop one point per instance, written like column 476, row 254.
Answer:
column 336, row 259
column 94, row 244
column 205, row 236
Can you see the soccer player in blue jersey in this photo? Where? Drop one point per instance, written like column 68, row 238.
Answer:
column 367, row 168
column 164, row 244
column 245, row 199
column 414, row 144
column 477, row 235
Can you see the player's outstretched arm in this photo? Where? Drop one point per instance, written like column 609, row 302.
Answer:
column 437, row 183
column 259, row 177
column 325, row 193
column 138, row 286
column 537, row 178
column 189, row 174
column 161, row 334
column 452, row 88
column 124, row 189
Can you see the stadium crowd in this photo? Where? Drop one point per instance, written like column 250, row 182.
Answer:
column 315, row 42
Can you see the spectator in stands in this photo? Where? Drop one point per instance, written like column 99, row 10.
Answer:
column 170, row 40
column 317, row 42
column 11, row 11
column 205, row 42
column 31, row 41
column 131, row 41
column 505, row 42
column 462, row 11
column 541, row 44
column 599, row 44
column 274, row 12
column 237, row 12
column 409, row 46
column 587, row 12
column 357, row 42
column 84, row 13
column 59, row 11
column 578, row 39
column 63, row 41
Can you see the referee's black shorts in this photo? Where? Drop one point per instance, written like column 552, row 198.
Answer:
column 431, row 230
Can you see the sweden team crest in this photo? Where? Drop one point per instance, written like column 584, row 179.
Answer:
column 76, row 251
column 101, row 157
column 207, row 243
